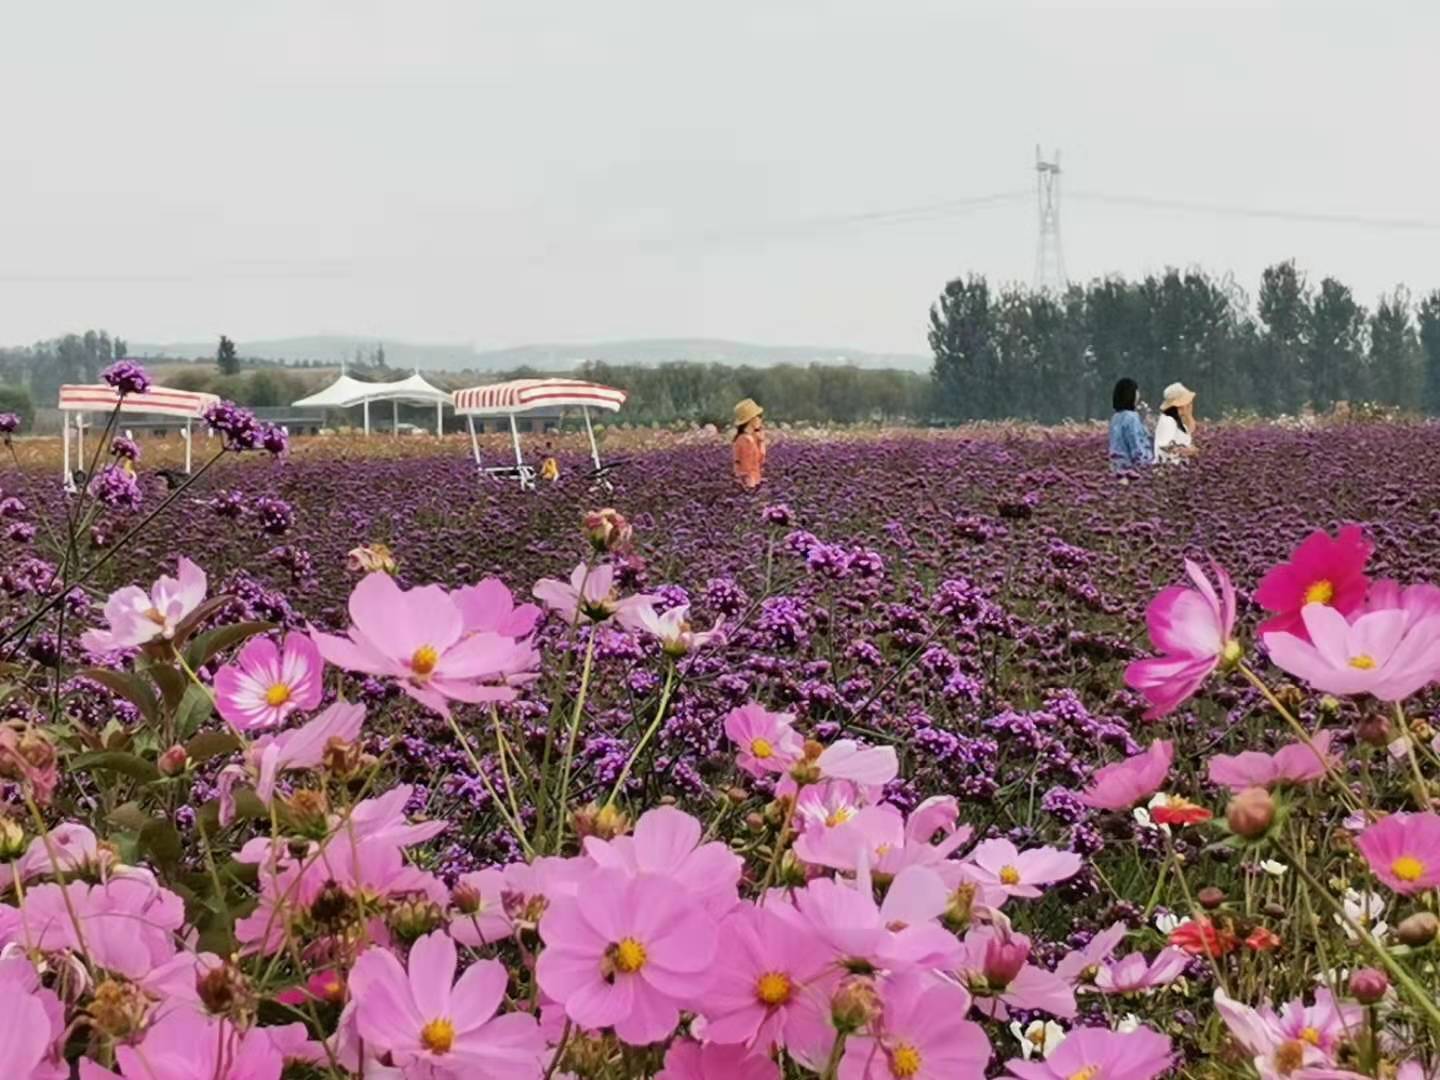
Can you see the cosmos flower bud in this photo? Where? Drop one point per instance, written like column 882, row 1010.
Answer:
column 602, row 822
column 341, row 759
column 1210, row 897
column 225, row 991
column 466, row 898
column 1374, row 730
column 369, row 559
column 308, row 812
column 118, row 1008
column 1368, row 986
column 333, row 906
column 737, row 795
column 1251, row 813
column 607, row 530
column 855, row 1004
column 410, row 920
column 173, row 761
column 960, row 909
column 1418, row 929
column 12, row 839
column 1004, row 959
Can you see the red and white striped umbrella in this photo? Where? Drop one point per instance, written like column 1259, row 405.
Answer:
column 500, row 399
column 101, row 397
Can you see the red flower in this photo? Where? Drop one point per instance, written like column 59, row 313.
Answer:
column 1201, row 937
column 1263, row 940
column 1178, row 811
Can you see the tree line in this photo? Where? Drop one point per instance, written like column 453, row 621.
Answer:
column 1017, row 352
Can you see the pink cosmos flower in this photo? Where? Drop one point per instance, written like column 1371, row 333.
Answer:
column 836, row 827
column 1135, row 973
column 995, row 964
column 136, row 618
column 32, row 1024
column 129, row 923
column 303, row 748
column 589, row 596
column 262, row 686
column 421, row 1018
column 1082, row 965
column 478, row 916
column 1403, row 851
column 772, row 982
column 1000, row 864
column 418, row 638
column 869, row 766
column 1122, row 784
column 184, row 1045
column 714, row 1061
column 937, row 814
column 672, row 629
column 1194, row 629
column 76, row 849
column 1382, row 652
column 1294, row 763
column 1325, row 1024
column 488, row 607
column 1321, row 570
column 923, row 1035
column 628, row 953
column 1276, row 1054
column 1101, row 1054
column 768, row 742
column 666, row 843
column 897, row 934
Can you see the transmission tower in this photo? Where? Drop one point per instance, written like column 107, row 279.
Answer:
column 1049, row 259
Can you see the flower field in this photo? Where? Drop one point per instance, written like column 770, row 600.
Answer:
column 941, row 756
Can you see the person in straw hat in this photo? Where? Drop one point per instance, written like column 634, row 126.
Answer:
column 749, row 446
column 1175, row 430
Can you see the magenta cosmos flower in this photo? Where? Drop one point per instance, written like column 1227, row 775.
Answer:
column 1403, row 851
column 768, row 742
column 714, row 1061
column 1121, row 785
column 263, row 685
column 1000, row 864
column 420, row 1018
column 1382, row 653
column 1322, row 570
column 1194, row 629
column 1294, row 763
column 136, row 617
column 628, row 953
column 418, row 638
column 996, row 966
column 772, row 982
column 922, row 1035
column 1100, row 1054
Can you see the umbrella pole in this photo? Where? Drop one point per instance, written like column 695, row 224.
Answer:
column 80, row 439
column 594, row 450
column 367, row 417
column 439, row 418
column 515, row 438
column 474, row 442
column 394, row 418
column 187, row 446
column 65, row 441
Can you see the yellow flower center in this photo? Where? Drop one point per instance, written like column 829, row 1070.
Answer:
column 1310, row 1035
column 840, row 815
column 438, row 1036
column 277, row 695
column 1009, row 875
column 1408, row 868
column 629, row 955
column 761, row 748
column 424, row 660
column 1037, row 1038
column 773, row 988
column 1089, row 1072
column 1364, row 661
column 1289, row 1056
column 1321, row 592
column 904, row 1060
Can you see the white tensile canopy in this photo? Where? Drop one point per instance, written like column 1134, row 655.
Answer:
column 79, row 399
column 534, row 396
column 345, row 393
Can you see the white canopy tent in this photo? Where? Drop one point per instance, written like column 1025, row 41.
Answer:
column 346, row 393
column 534, row 397
column 78, row 399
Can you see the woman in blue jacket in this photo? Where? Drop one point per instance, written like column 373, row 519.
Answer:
column 1130, row 445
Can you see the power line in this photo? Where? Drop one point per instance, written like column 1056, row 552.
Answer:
column 1145, row 202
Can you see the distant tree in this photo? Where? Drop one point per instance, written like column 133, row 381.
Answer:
column 380, row 355
column 16, row 399
column 1284, row 305
column 966, row 371
column 1395, row 366
column 226, row 359
column 1335, row 351
column 1428, row 316
column 121, row 348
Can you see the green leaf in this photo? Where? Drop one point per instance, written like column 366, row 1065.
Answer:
column 211, row 744
column 203, row 611
column 171, row 682
column 129, row 816
column 131, row 765
column 248, row 807
column 194, row 709
column 160, row 840
column 205, row 646
column 130, row 686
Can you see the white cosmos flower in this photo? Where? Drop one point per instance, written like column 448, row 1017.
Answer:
column 1365, row 909
column 1040, row 1037
column 1273, row 868
column 1127, row 1023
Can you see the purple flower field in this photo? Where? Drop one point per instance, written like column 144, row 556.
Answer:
column 919, row 666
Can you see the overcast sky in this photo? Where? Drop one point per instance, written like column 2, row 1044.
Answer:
column 503, row 173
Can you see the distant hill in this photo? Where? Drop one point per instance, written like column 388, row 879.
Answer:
column 331, row 350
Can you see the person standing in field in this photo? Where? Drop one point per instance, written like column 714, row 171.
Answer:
column 1130, row 446
column 1175, row 429
column 749, row 445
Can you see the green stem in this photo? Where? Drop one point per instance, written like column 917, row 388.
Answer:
column 1299, row 728
column 645, row 739
column 514, row 823
column 564, row 792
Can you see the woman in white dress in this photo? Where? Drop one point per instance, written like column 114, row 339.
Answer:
column 1175, row 430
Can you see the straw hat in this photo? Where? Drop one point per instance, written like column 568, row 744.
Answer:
column 1176, row 395
column 746, row 411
